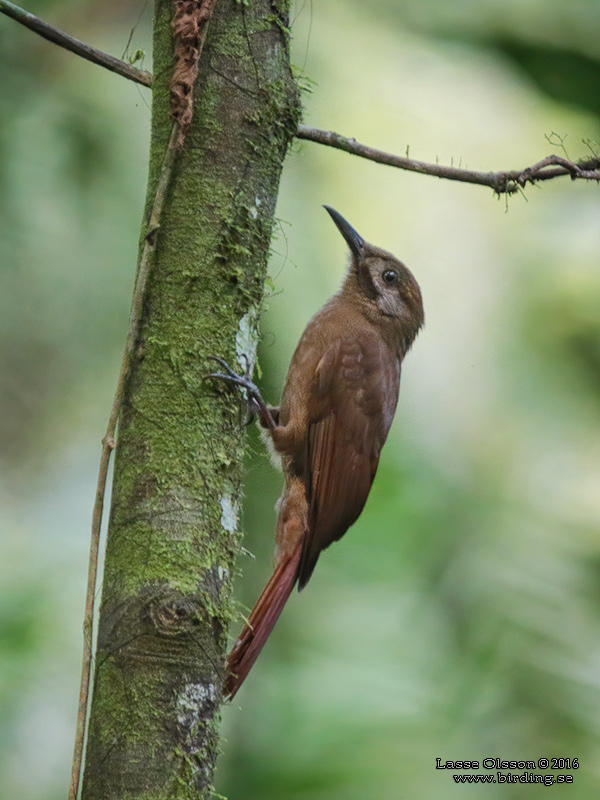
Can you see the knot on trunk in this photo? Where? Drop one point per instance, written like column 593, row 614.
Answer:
column 173, row 615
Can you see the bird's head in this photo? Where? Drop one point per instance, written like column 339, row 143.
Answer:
column 383, row 284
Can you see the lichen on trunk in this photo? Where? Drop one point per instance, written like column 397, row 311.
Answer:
column 172, row 540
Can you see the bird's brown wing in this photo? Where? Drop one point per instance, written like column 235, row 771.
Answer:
column 354, row 396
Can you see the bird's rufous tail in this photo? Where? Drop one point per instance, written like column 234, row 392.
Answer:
column 262, row 619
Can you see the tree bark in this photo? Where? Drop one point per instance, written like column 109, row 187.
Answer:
column 172, row 539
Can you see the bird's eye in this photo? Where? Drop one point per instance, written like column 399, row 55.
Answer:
column 389, row 276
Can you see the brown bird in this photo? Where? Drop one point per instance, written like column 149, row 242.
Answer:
column 336, row 410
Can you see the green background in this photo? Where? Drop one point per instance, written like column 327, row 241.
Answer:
column 460, row 617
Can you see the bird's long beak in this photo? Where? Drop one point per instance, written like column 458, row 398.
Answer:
column 355, row 242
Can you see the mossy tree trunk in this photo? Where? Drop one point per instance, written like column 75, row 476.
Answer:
column 172, row 540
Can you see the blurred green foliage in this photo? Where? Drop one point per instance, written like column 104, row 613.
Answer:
column 460, row 617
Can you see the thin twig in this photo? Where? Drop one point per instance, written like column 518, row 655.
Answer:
column 74, row 45
column 108, row 444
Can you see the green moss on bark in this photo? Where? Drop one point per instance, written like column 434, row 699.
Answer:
column 167, row 588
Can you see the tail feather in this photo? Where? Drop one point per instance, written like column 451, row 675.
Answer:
column 261, row 622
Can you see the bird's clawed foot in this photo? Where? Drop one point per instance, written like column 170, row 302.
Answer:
column 255, row 399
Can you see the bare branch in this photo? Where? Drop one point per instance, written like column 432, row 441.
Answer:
column 501, row 182
column 504, row 182
column 74, row 45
